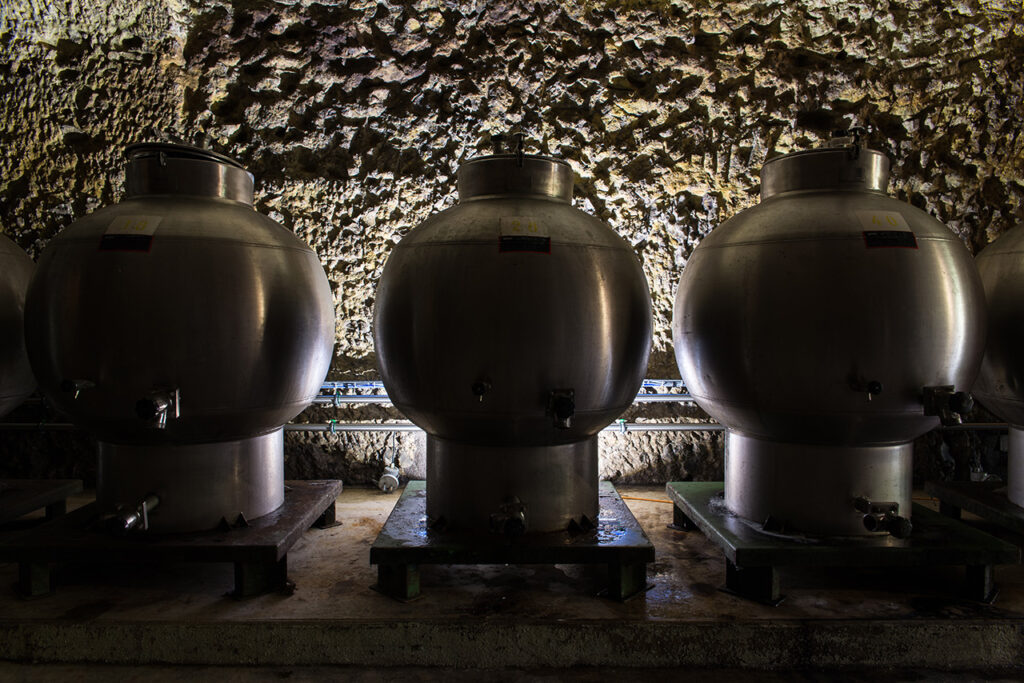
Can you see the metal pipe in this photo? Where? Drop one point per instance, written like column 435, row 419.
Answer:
column 377, row 384
column 622, row 427
column 339, row 399
column 409, row 427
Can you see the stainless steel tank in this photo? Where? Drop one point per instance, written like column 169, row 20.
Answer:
column 16, row 380
column 183, row 329
column 827, row 327
column 512, row 328
column 1000, row 385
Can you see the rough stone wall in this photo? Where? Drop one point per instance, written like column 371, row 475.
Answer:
column 354, row 115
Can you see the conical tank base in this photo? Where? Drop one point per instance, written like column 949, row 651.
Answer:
column 511, row 490
column 810, row 489
column 197, row 484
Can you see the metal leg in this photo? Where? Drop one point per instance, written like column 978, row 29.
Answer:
column 981, row 582
column 328, row 519
column 626, row 579
column 756, row 583
column 399, row 581
column 949, row 510
column 680, row 522
column 34, row 579
column 54, row 510
column 257, row 578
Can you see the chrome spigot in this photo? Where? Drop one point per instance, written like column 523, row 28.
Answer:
column 950, row 406
column 562, row 407
column 389, row 481
column 158, row 405
column 510, row 519
column 883, row 516
column 137, row 517
column 76, row 386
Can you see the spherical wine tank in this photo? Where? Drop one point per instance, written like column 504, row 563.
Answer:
column 827, row 327
column 183, row 329
column 1000, row 385
column 16, row 380
column 512, row 328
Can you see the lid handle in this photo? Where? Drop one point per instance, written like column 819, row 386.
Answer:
column 513, row 142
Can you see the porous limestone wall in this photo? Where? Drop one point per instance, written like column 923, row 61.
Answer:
column 353, row 115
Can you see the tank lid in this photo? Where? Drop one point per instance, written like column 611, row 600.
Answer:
column 515, row 173
column 166, row 168
column 845, row 164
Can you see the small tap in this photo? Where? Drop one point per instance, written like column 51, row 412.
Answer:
column 158, row 405
column 562, row 407
column 76, row 386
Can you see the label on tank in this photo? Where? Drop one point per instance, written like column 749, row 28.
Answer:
column 130, row 233
column 523, row 233
column 890, row 238
column 886, row 229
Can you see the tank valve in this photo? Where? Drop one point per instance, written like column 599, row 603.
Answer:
column 76, row 386
column 136, row 518
column 158, row 405
column 481, row 387
column 388, row 481
column 883, row 516
column 562, row 407
column 874, row 388
column 510, row 519
column 950, row 406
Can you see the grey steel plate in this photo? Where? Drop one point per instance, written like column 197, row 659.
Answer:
column 405, row 539
column 73, row 538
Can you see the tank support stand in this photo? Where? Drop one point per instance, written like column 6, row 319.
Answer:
column 405, row 543
column 753, row 557
column 985, row 499
column 258, row 550
column 21, row 496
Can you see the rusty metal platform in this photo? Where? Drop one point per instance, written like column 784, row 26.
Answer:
column 18, row 497
column 983, row 498
column 753, row 556
column 405, row 543
column 258, row 548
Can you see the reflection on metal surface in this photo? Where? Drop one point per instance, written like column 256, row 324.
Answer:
column 816, row 319
column 512, row 325
column 181, row 291
column 1000, row 385
column 618, row 427
column 16, row 380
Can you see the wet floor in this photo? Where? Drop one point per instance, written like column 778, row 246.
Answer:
column 333, row 588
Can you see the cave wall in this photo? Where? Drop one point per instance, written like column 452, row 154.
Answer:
column 353, row 116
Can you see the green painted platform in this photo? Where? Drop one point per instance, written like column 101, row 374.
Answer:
column 754, row 556
column 406, row 542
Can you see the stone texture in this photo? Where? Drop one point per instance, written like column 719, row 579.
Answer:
column 354, row 115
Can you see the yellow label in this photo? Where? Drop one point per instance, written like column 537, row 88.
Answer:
column 133, row 225
column 882, row 220
column 522, row 226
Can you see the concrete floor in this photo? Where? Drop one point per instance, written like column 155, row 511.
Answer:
column 529, row 621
